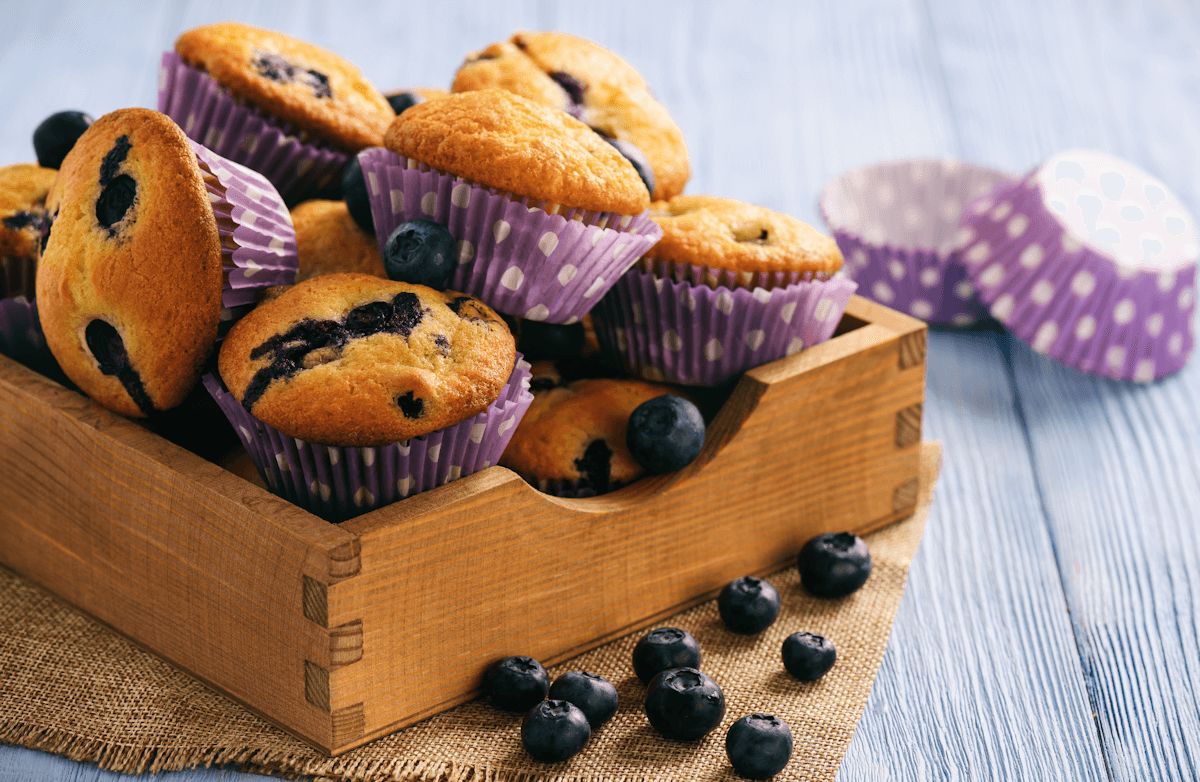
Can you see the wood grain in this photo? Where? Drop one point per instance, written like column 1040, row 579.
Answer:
column 1117, row 466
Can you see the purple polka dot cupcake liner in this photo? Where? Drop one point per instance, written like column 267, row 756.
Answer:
column 1092, row 262
column 666, row 330
column 337, row 483
column 21, row 337
column 898, row 226
column 523, row 258
column 258, row 243
column 208, row 113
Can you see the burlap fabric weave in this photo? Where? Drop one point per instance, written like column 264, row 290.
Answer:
column 71, row 686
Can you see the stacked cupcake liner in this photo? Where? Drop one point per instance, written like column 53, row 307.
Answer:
column 212, row 116
column 666, row 330
column 258, row 243
column 897, row 225
column 1071, row 301
column 518, row 258
column 338, row 483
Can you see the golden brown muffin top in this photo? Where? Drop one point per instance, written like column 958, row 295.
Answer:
column 576, row 432
column 350, row 359
column 727, row 234
column 504, row 141
column 592, row 83
column 328, row 241
column 304, row 85
column 23, row 189
column 129, row 285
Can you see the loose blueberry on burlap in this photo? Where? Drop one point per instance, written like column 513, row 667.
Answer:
column 1092, row 262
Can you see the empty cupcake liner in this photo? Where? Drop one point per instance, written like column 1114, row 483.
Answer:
column 21, row 336
column 1092, row 262
column 897, row 225
column 515, row 256
column 258, row 243
column 212, row 116
column 338, row 483
column 18, row 277
column 666, row 330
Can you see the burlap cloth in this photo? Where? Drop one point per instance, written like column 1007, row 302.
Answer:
column 73, row 687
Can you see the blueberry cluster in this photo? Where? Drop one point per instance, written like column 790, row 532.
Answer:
column 682, row 703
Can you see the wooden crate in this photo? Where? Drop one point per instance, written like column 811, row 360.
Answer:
column 344, row 633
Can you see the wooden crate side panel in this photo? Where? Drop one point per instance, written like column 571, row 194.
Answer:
column 809, row 451
column 184, row 558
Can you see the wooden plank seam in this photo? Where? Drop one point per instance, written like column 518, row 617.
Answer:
column 345, row 642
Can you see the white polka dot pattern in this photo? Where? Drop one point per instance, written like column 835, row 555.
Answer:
column 521, row 259
column 1079, row 277
column 338, row 483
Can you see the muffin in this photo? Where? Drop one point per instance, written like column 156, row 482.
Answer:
column 351, row 391
column 596, row 86
column 23, row 189
column 154, row 243
column 730, row 286
column 23, row 222
column 546, row 214
column 572, row 441
column 328, row 241
column 290, row 110
column 402, row 100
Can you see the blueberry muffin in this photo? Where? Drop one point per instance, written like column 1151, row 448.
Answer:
column 403, row 100
column 129, row 285
column 506, row 142
column 23, row 189
column 354, row 360
column 729, row 237
column 572, row 440
column 730, row 286
column 306, row 87
column 329, row 241
column 595, row 85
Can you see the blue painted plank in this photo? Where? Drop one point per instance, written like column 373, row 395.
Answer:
column 1118, row 466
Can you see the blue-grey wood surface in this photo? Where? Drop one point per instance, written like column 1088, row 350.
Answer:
column 1050, row 629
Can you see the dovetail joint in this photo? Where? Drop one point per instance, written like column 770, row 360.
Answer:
column 905, row 496
column 908, row 426
column 912, row 349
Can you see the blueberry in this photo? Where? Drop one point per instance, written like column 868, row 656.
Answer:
column 665, row 434
column 834, row 564
column 808, row 656
column 549, row 341
column 516, row 683
column 759, row 746
column 663, row 648
column 354, row 193
column 684, row 704
column 594, row 695
column 421, row 252
column 403, row 101
column 638, row 160
column 554, row 731
column 57, row 134
column 748, row 605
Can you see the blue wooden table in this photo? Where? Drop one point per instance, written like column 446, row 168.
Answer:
column 1050, row 629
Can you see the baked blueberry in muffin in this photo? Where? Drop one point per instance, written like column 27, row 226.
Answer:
column 573, row 439
column 355, row 360
column 594, row 85
column 403, row 100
